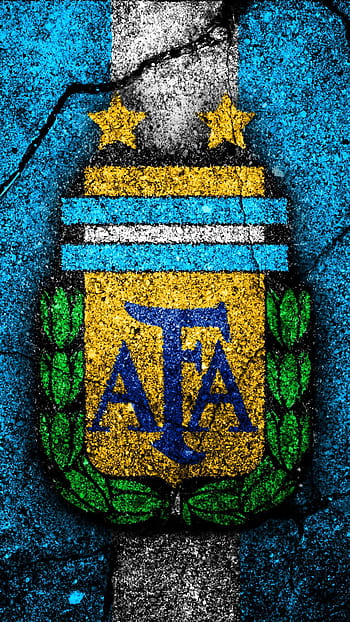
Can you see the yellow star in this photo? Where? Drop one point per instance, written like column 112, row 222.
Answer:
column 117, row 123
column 226, row 123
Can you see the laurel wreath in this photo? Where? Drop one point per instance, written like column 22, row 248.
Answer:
column 227, row 502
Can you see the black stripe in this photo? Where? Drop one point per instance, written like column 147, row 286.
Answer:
column 277, row 234
column 72, row 234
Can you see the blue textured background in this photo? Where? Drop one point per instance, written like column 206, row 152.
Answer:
column 55, row 562
column 294, row 73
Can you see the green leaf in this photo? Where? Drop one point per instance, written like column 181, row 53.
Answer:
column 263, row 494
column 305, row 371
column 217, row 502
column 76, row 301
column 284, row 493
column 87, row 490
column 214, row 503
column 272, row 301
column 130, row 497
column 60, row 314
column 221, row 518
column 289, row 313
column 252, row 479
column 96, row 476
column 272, row 435
column 45, row 434
column 214, row 487
column 45, row 373
column 131, row 519
column 77, row 374
column 186, row 514
column 272, row 373
column 137, row 503
column 60, row 439
column 60, row 378
column 304, row 312
column 305, row 433
column 78, row 436
column 124, row 485
column 45, row 314
column 289, row 440
column 289, row 380
column 217, row 505
column 72, row 498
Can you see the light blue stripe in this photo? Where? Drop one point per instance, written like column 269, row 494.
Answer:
column 158, row 257
column 194, row 210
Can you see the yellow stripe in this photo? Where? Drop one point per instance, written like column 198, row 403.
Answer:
column 146, row 181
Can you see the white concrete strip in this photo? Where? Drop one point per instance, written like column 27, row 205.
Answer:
column 172, row 91
column 155, row 29
column 170, row 577
column 177, row 578
column 174, row 234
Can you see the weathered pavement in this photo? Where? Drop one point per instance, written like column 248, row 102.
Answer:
column 293, row 72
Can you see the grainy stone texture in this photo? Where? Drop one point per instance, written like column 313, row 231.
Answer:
column 144, row 29
column 294, row 70
column 169, row 577
column 194, row 63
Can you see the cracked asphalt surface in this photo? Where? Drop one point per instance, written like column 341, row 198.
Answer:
column 293, row 59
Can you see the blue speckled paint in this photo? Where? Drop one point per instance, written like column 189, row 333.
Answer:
column 48, row 550
column 193, row 210
column 207, row 257
column 76, row 597
column 294, row 73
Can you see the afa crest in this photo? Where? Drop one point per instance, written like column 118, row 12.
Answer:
column 175, row 356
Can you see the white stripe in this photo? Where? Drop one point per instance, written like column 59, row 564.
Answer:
column 174, row 234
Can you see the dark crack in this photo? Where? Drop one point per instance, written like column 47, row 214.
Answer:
column 208, row 39
column 109, row 592
column 232, row 10
column 299, row 515
column 15, row 353
column 27, row 564
column 228, row 15
column 35, row 359
column 48, row 559
column 326, row 251
column 331, row 6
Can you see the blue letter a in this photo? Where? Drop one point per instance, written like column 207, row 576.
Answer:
column 219, row 363
column 134, row 394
